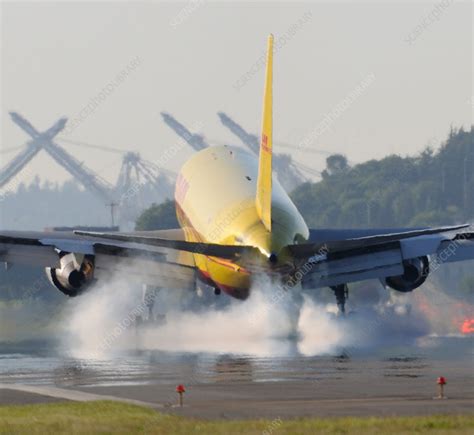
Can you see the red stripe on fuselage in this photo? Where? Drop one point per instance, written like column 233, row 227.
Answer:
column 186, row 223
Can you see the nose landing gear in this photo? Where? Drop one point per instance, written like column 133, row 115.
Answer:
column 341, row 292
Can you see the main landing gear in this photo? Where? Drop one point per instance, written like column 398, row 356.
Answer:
column 149, row 296
column 341, row 292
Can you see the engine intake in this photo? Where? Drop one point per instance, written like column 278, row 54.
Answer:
column 415, row 272
column 74, row 276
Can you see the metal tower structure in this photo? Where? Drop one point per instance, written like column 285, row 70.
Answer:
column 135, row 171
column 45, row 141
column 139, row 183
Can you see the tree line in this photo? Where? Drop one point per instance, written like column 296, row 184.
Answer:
column 432, row 188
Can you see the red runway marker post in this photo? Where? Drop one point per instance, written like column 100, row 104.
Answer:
column 441, row 381
column 180, row 390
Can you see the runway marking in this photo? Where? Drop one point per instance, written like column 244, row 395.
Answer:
column 74, row 395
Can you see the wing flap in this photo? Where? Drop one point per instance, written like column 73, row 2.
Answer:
column 458, row 249
column 42, row 256
column 331, row 234
column 355, row 268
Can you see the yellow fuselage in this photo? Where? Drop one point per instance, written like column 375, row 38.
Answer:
column 215, row 202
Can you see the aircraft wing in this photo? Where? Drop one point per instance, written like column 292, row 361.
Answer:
column 362, row 256
column 156, row 257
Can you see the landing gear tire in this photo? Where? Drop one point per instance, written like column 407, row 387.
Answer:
column 217, row 291
column 341, row 292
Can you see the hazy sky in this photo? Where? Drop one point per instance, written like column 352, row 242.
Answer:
column 195, row 58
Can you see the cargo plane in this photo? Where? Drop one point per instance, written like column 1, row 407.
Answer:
column 237, row 223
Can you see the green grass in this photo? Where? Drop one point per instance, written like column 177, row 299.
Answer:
column 111, row 417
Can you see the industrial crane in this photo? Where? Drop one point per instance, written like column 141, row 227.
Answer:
column 45, row 141
column 138, row 185
column 195, row 140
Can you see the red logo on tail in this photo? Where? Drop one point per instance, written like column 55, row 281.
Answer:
column 265, row 142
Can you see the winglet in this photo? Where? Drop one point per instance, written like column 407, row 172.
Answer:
column 264, row 182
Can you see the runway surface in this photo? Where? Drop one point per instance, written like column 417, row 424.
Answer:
column 382, row 381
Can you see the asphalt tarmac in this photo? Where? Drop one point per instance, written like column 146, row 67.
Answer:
column 384, row 382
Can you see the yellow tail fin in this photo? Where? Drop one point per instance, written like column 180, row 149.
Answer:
column 264, row 182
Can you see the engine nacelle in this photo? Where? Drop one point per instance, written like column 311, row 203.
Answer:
column 415, row 272
column 74, row 276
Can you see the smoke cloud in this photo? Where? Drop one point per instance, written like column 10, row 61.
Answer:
column 104, row 321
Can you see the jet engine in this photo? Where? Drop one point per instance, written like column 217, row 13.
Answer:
column 74, row 276
column 415, row 272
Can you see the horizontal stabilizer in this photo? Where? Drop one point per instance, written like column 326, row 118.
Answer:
column 309, row 249
column 211, row 249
